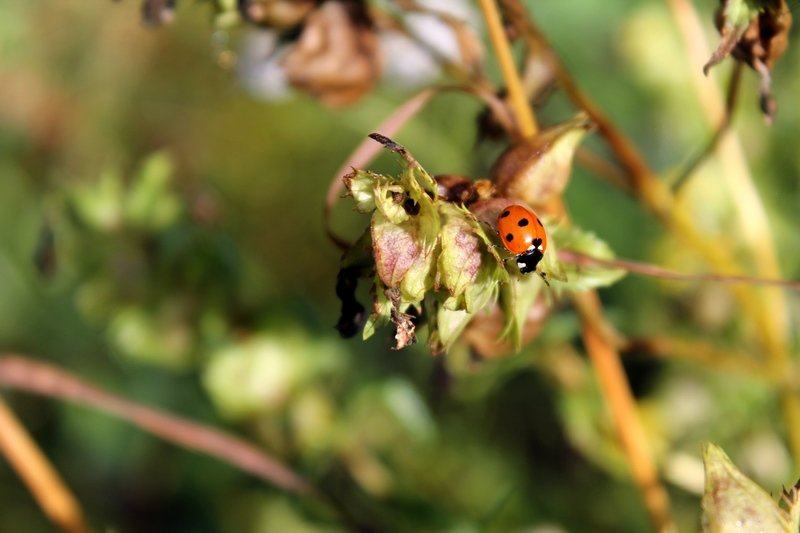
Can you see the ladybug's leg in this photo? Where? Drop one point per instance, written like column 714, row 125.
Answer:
column 543, row 275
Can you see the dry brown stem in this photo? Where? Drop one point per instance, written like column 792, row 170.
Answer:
column 40, row 378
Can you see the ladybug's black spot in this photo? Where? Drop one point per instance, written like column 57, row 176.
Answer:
column 510, row 237
column 522, row 222
column 505, row 213
column 539, row 222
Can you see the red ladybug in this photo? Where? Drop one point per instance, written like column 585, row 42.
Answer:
column 523, row 235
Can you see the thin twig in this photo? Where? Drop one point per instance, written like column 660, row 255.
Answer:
column 654, row 271
column 367, row 150
column 519, row 101
column 638, row 171
column 602, row 167
column 703, row 353
column 711, row 146
column 40, row 378
column 658, row 198
column 42, row 479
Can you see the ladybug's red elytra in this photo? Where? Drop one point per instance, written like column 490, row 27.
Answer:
column 523, row 235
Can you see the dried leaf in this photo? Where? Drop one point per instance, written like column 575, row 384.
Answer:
column 395, row 246
column 579, row 278
column 791, row 499
column 484, row 333
column 403, row 322
column 756, row 32
column 460, row 257
column 279, row 14
column 157, row 12
column 336, row 57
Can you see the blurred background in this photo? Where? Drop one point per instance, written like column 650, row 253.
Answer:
column 161, row 236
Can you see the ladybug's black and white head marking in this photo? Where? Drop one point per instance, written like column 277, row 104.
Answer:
column 528, row 261
column 536, row 244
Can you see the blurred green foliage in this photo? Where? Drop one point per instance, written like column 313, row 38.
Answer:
column 189, row 270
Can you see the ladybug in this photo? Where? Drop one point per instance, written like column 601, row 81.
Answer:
column 523, row 235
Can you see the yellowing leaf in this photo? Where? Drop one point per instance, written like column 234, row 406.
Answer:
column 732, row 502
column 460, row 257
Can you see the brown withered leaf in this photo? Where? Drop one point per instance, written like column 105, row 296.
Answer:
column 279, row 14
column 336, row 57
column 157, row 12
column 757, row 35
column 403, row 322
column 537, row 169
column 484, row 333
column 462, row 190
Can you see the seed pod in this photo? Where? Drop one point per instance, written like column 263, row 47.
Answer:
column 538, row 169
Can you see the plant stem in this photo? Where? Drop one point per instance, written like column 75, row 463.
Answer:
column 616, row 391
column 770, row 308
column 44, row 483
column 597, row 333
column 40, row 378
column 526, row 120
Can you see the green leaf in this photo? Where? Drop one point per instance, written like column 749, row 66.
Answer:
column 260, row 374
column 161, row 337
column 381, row 310
column 584, row 277
column 360, row 186
column 150, row 203
column 732, row 502
column 386, row 193
column 419, row 278
column 512, row 328
column 739, row 13
column 447, row 327
column 99, row 204
column 528, row 289
column 405, row 402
